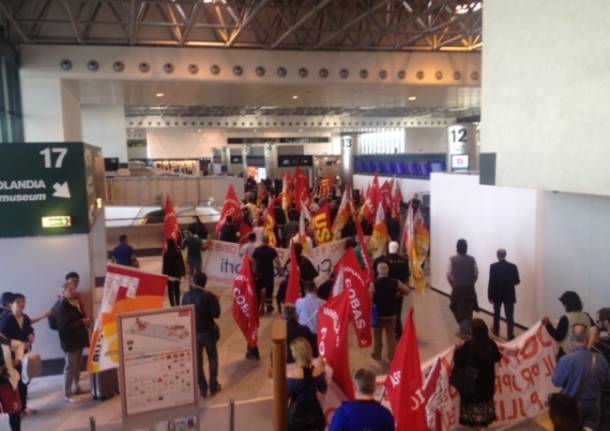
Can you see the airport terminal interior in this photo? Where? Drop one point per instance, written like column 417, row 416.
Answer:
column 304, row 215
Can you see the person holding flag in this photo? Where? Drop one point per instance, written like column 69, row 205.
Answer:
column 230, row 210
column 245, row 308
column 385, row 294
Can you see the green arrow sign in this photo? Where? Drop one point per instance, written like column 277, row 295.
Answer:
column 43, row 183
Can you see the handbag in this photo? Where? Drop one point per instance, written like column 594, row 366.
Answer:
column 10, row 402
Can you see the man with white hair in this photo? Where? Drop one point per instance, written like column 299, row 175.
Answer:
column 399, row 270
column 582, row 375
column 364, row 412
column 503, row 277
column 387, row 291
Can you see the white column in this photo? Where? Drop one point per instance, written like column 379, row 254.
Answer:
column 104, row 126
column 51, row 110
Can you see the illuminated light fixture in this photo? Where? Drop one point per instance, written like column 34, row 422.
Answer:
column 198, row 130
column 463, row 108
column 300, row 130
column 159, row 94
column 99, row 203
column 295, row 97
column 411, row 98
column 53, row 222
column 463, row 9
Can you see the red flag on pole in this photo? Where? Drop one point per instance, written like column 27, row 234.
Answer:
column 396, row 199
column 333, row 344
column 361, row 307
column 245, row 304
column 293, row 291
column 373, row 196
column 230, row 208
column 321, row 225
column 404, row 383
column 171, row 228
column 301, row 187
column 368, row 264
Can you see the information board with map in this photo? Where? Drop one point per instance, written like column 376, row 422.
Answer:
column 157, row 361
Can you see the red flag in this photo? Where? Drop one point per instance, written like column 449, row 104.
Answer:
column 368, row 264
column 404, row 383
column 171, row 228
column 343, row 214
column 293, row 291
column 385, row 194
column 372, row 200
column 396, row 199
column 354, row 281
column 333, row 344
column 321, row 225
column 230, row 208
column 286, row 192
column 245, row 304
column 380, row 237
column 269, row 227
column 324, row 187
column 301, row 187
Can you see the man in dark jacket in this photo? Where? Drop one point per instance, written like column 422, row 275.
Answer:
column 72, row 324
column 207, row 308
column 503, row 277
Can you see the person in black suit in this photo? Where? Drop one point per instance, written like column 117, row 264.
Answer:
column 503, row 277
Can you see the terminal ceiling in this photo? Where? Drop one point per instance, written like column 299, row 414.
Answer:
column 183, row 98
column 363, row 25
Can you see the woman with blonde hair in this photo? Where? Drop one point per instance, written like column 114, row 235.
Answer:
column 304, row 381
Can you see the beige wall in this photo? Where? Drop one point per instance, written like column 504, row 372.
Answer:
column 545, row 93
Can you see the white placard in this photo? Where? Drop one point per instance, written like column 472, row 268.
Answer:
column 157, row 361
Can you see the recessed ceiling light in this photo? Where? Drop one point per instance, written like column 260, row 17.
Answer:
column 159, row 94
column 198, row 130
column 300, row 130
column 295, row 97
column 411, row 98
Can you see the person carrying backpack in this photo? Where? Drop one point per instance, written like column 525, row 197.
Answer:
column 304, row 382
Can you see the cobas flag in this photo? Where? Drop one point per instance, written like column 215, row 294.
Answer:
column 333, row 344
column 126, row 289
column 353, row 280
column 230, row 208
column 404, row 384
column 245, row 305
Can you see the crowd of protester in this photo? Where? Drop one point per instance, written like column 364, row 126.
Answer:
column 581, row 375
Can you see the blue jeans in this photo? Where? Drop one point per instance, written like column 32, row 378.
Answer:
column 207, row 341
column 509, row 308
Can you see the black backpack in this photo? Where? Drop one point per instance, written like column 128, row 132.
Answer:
column 305, row 413
column 51, row 319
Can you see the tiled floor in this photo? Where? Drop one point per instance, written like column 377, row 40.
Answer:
column 241, row 379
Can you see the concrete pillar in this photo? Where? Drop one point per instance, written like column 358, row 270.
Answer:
column 51, row 110
column 104, row 126
column 245, row 150
column 348, row 150
column 271, row 166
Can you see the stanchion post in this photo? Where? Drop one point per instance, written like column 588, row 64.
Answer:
column 91, row 423
column 280, row 386
column 231, row 414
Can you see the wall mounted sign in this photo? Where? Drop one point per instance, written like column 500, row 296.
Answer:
column 288, row 161
column 47, row 180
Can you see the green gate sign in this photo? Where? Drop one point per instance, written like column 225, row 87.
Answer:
column 49, row 188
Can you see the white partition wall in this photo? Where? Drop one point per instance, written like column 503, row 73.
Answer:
column 488, row 218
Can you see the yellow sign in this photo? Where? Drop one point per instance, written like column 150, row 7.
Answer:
column 56, row 222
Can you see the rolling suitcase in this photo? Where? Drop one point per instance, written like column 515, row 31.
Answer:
column 105, row 385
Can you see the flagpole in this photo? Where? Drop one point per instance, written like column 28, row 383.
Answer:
column 383, row 391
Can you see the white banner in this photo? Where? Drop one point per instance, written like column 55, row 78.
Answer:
column 523, row 382
column 222, row 260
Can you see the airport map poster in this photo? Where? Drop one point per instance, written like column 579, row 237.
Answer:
column 157, row 356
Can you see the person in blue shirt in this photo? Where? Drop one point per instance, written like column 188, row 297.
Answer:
column 123, row 253
column 364, row 413
column 308, row 306
column 582, row 375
